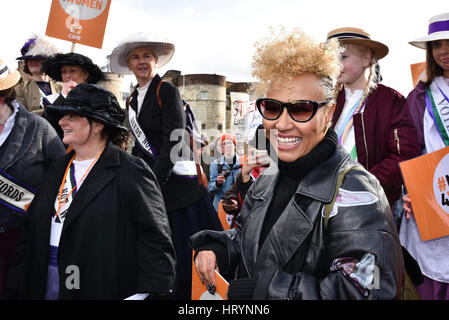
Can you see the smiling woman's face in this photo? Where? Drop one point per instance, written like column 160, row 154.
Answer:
column 76, row 129
column 440, row 52
column 293, row 139
column 142, row 62
column 74, row 73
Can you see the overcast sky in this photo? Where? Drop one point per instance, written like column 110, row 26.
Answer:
column 214, row 36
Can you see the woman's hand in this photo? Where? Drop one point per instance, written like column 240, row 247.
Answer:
column 231, row 206
column 206, row 264
column 67, row 86
column 407, row 206
column 256, row 158
column 220, row 180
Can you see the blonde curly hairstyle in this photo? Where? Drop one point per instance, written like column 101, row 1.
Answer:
column 286, row 54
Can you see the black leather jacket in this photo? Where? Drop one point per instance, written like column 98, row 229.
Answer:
column 298, row 260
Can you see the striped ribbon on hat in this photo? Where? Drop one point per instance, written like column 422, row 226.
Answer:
column 348, row 35
column 3, row 71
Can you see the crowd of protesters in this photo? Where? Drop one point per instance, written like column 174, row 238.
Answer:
column 317, row 200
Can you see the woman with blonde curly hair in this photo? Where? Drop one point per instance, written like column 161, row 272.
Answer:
column 299, row 235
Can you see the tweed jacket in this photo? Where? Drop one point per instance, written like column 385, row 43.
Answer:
column 28, row 152
column 29, row 96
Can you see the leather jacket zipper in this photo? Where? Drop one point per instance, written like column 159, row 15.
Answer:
column 396, row 137
column 364, row 140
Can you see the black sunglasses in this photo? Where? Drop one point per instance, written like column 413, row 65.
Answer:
column 300, row 110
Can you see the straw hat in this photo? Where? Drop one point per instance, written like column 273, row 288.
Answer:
column 8, row 79
column 438, row 30
column 360, row 37
column 162, row 49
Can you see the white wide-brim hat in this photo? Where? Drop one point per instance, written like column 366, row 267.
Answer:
column 438, row 30
column 8, row 78
column 163, row 50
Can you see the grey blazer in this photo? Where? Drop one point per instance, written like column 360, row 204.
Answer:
column 26, row 154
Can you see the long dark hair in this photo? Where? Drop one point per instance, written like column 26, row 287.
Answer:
column 117, row 136
column 432, row 68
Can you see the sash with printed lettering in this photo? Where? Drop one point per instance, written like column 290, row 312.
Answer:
column 437, row 104
column 14, row 194
column 139, row 135
column 185, row 167
column 62, row 205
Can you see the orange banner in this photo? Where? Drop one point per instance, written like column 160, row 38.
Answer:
column 79, row 21
column 199, row 290
column 427, row 181
column 418, row 72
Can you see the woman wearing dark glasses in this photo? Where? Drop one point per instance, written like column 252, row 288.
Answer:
column 318, row 225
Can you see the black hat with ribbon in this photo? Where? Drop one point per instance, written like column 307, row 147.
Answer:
column 93, row 102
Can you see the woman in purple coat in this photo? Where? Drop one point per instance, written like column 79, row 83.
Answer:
column 434, row 90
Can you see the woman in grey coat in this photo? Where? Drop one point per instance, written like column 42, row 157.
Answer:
column 28, row 144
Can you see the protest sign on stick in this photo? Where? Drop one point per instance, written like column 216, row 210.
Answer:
column 427, row 181
column 418, row 72
column 78, row 21
column 245, row 116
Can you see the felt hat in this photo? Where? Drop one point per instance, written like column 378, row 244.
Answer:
column 359, row 37
column 162, row 49
column 8, row 78
column 438, row 30
column 93, row 102
column 52, row 66
column 37, row 47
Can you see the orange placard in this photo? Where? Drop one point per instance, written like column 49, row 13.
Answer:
column 199, row 290
column 418, row 72
column 427, row 181
column 225, row 219
column 79, row 21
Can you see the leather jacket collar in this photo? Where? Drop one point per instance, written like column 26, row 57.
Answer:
column 294, row 225
column 319, row 184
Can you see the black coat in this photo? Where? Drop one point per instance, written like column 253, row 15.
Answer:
column 158, row 123
column 116, row 232
column 295, row 260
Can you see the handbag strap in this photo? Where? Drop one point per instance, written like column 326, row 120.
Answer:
column 159, row 101
column 192, row 143
column 328, row 207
